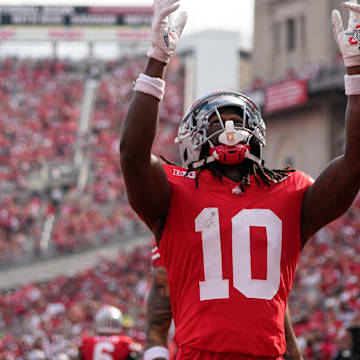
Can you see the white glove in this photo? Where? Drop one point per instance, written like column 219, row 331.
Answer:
column 166, row 29
column 349, row 40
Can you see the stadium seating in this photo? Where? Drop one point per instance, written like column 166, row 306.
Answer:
column 39, row 120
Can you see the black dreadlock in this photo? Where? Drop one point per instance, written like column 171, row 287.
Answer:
column 261, row 174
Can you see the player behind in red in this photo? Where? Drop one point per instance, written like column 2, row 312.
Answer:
column 158, row 344
column 230, row 231
column 108, row 344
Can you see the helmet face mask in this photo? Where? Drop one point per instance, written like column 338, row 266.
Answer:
column 108, row 320
column 193, row 130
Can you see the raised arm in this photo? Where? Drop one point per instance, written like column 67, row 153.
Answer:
column 146, row 182
column 158, row 314
column 336, row 187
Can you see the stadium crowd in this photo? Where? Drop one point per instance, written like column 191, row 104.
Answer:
column 325, row 300
column 39, row 113
column 52, row 316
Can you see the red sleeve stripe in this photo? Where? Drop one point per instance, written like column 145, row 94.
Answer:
column 155, row 257
column 154, row 249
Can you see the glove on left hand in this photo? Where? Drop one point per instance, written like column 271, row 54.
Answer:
column 349, row 40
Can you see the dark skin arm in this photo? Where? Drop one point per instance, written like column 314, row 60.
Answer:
column 158, row 310
column 336, row 187
column 146, row 182
column 292, row 348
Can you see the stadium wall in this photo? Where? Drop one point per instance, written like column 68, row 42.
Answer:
column 294, row 44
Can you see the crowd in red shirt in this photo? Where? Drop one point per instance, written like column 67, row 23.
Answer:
column 52, row 316
column 325, row 299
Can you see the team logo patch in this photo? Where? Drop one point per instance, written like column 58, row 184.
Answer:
column 237, row 190
column 354, row 38
column 190, row 175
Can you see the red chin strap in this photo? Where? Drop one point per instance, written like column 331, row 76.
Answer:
column 229, row 155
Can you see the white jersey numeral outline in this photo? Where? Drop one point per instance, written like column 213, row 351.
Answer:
column 215, row 286
column 99, row 349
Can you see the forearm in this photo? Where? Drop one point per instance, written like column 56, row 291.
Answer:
column 146, row 182
column 336, row 187
column 158, row 310
column 157, row 332
column 139, row 128
column 352, row 148
column 292, row 348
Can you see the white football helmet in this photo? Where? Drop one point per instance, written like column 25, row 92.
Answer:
column 192, row 134
column 108, row 320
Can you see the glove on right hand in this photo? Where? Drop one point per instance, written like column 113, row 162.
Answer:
column 166, row 29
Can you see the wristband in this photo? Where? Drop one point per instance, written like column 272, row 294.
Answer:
column 156, row 352
column 352, row 84
column 150, row 85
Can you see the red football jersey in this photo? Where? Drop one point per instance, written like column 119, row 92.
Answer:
column 113, row 347
column 230, row 259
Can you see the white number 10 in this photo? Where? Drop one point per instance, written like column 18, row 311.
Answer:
column 214, row 286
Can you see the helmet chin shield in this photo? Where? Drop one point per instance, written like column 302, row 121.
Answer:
column 193, row 135
column 233, row 146
column 230, row 155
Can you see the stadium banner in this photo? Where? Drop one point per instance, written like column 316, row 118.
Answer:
column 76, row 16
column 75, row 23
column 286, row 95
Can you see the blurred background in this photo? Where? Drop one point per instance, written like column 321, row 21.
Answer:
column 68, row 240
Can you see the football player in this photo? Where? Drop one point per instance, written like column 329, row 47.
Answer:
column 230, row 230
column 159, row 317
column 108, row 344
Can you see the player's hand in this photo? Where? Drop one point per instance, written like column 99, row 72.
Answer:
column 348, row 40
column 166, row 29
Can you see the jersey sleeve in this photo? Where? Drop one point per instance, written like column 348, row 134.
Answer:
column 81, row 346
column 85, row 347
column 303, row 182
column 177, row 174
column 156, row 257
column 131, row 348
